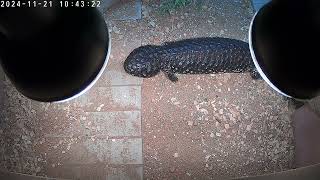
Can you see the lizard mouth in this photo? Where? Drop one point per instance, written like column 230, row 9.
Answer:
column 140, row 70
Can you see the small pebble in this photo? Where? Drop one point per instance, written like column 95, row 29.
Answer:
column 195, row 123
column 153, row 24
column 211, row 135
column 167, row 29
column 204, row 7
column 248, row 127
column 116, row 30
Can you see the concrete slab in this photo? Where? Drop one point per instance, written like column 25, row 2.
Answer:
column 18, row 129
column 214, row 127
column 54, row 120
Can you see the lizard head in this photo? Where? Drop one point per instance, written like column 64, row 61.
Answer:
column 142, row 62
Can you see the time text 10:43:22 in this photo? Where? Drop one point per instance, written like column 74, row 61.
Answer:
column 45, row 4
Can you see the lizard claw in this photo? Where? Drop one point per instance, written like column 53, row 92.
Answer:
column 172, row 77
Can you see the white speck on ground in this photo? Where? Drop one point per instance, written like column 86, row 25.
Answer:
column 212, row 135
column 99, row 108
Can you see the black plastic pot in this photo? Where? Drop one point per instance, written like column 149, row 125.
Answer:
column 284, row 42
column 53, row 54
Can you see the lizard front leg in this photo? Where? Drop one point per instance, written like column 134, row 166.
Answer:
column 170, row 74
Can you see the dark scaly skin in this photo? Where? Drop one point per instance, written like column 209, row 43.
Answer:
column 191, row 56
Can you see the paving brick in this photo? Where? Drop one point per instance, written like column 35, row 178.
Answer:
column 111, row 98
column 105, row 4
column 125, row 173
column 260, row 1
column 91, row 150
column 17, row 176
column 79, row 172
column 58, row 123
column 125, row 37
column 121, row 123
column 98, row 171
column 257, row 6
column 125, row 10
column 116, row 76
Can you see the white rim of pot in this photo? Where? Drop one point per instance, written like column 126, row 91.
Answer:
column 259, row 69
